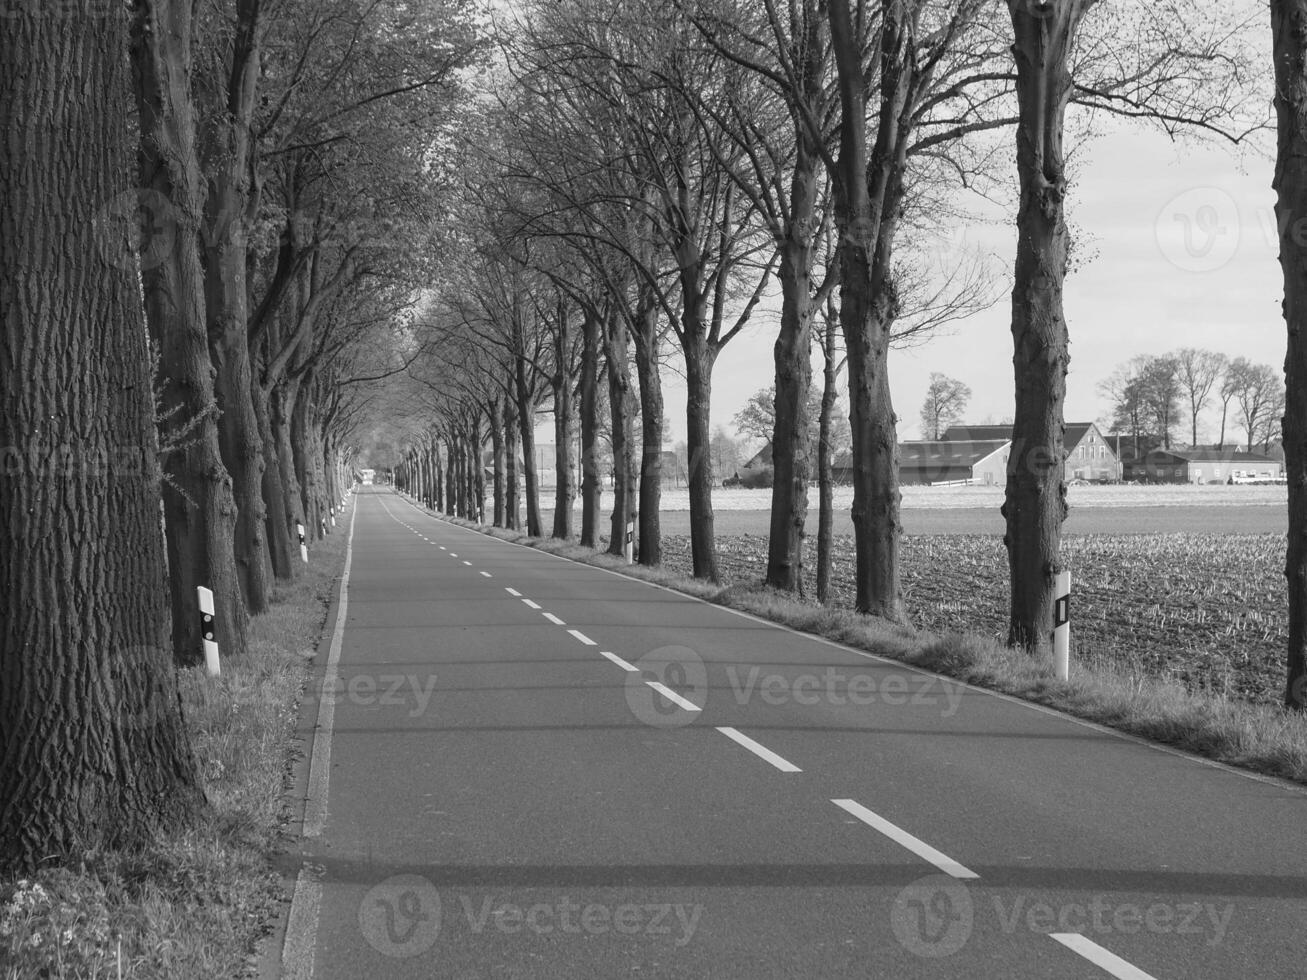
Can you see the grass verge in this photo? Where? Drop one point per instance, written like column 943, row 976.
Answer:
column 192, row 905
column 1260, row 738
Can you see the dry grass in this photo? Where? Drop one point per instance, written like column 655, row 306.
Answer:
column 191, row 905
column 1108, row 690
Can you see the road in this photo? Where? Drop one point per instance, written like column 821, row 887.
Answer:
column 531, row 768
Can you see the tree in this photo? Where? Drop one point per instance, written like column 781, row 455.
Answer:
column 757, row 419
column 1289, row 34
column 199, row 509
column 1160, row 393
column 1197, row 372
column 1035, row 500
column 945, row 404
column 93, row 750
column 1144, row 394
column 1254, row 389
column 725, row 454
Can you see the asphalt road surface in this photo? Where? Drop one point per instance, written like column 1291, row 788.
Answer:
column 530, row 768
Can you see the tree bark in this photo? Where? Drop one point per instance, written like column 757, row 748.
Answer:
column 93, row 749
column 591, row 477
column 868, row 198
column 564, row 487
column 512, row 506
column 526, row 423
column 1035, row 501
column 698, row 406
column 621, row 403
column 230, row 208
column 791, row 452
column 199, row 508
column 825, row 470
column 791, row 468
column 1289, row 35
column 284, row 399
column 274, row 492
column 495, row 421
column 645, row 338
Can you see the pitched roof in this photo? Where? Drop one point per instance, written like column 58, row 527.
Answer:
column 1206, row 455
column 950, row 453
column 1075, row 431
column 936, row 454
column 763, row 457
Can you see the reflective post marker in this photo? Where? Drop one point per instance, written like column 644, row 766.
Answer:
column 628, row 549
column 304, row 548
column 322, row 523
column 1062, row 626
column 207, row 627
column 333, row 517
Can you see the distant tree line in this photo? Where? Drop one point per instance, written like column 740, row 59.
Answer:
column 1154, row 397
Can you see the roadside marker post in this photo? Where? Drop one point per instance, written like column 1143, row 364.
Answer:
column 1062, row 626
column 304, row 548
column 207, row 631
column 628, row 549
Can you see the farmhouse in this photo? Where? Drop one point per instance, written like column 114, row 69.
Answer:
column 974, row 461
column 1228, row 465
column 1089, row 456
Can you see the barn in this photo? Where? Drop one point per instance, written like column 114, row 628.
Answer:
column 972, row 461
column 1089, row 456
column 1226, row 465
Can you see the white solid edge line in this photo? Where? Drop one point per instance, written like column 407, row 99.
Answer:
column 619, row 661
column 1102, row 958
column 761, row 751
column 315, row 806
column 532, row 605
column 1275, row 781
column 672, row 696
column 514, row 593
column 486, row 574
column 583, row 638
column 300, row 942
column 553, row 619
column 901, row 837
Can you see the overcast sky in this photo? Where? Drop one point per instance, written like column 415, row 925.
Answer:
column 1184, row 254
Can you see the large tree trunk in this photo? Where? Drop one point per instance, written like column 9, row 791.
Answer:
column 621, row 403
column 497, row 447
column 229, row 211
column 591, row 477
column 561, row 383
column 699, row 359
column 284, row 399
column 93, row 749
column 274, row 492
column 868, row 195
column 1035, row 502
column 825, row 470
column 1289, row 33
column 791, row 468
column 512, row 506
column 791, row 452
column 526, row 423
column 651, row 430
column 199, row 509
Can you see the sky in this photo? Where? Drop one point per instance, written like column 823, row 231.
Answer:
column 1182, row 246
